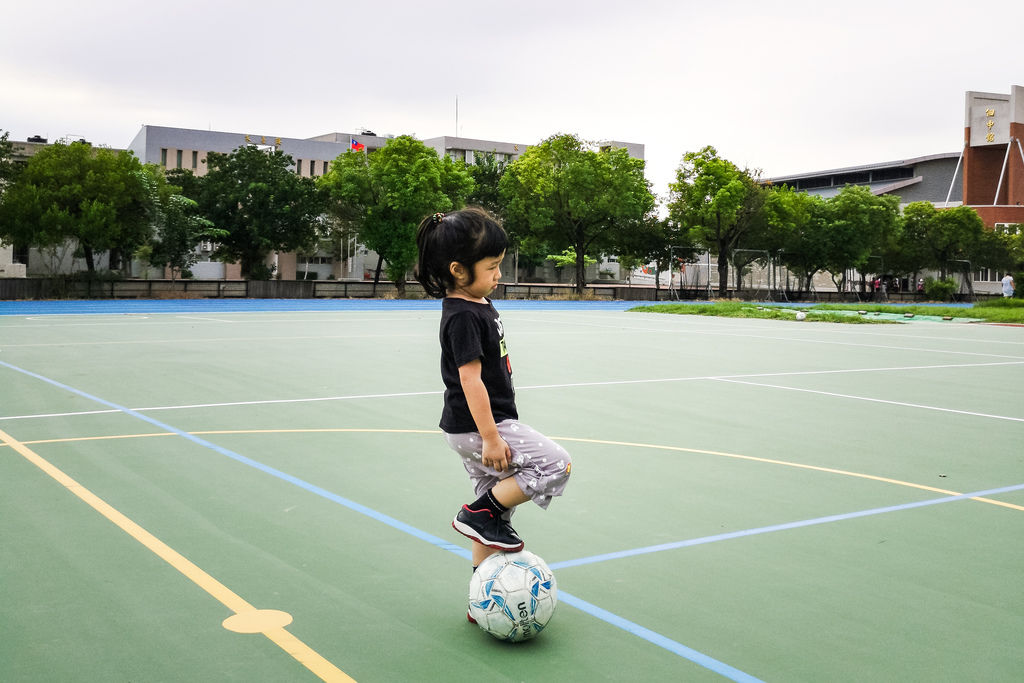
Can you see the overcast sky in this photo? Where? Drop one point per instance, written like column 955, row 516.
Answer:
column 782, row 87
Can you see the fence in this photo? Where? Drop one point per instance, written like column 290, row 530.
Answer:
column 63, row 288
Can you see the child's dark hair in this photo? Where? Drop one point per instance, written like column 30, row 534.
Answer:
column 464, row 236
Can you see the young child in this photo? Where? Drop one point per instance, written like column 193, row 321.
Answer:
column 508, row 462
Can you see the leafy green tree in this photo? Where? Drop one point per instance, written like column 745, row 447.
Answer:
column 811, row 234
column 187, row 182
column 719, row 203
column 568, row 258
column 796, row 231
column 8, row 167
column 564, row 194
column 859, row 225
column 260, row 203
column 944, row 237
column 96, row 197
column 1014, row 241
column 654, row 240
column 486, row 172
column 994, row 249
column 179, row 227
column 384, row 195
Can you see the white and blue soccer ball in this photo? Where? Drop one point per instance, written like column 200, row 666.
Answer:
column 512, row 596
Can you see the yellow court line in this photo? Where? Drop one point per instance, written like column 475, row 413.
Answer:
column 786, row 463
column 681, row 449
column 305, row 655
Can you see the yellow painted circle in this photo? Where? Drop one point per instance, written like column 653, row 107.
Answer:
column 257, row 621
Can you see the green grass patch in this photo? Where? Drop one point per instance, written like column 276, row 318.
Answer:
column 740, row 309
column 995, row 310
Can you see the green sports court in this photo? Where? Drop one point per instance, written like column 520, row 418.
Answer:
column 257, row 491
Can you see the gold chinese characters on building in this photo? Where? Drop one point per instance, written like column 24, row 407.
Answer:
column 251, row 140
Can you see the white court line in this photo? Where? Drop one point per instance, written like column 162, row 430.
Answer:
column 568, row 385
column 720, row 332
column 234, row 403
column 875, row 400
column 211, row 320
column 205, row 340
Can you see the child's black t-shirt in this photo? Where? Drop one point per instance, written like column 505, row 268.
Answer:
column 469, row 331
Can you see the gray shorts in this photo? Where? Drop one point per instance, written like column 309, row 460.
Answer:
column 541, row 467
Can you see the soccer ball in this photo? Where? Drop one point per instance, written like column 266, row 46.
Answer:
column 800, row 315
column 513, row 595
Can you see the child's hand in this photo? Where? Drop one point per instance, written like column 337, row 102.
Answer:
column 496, row 454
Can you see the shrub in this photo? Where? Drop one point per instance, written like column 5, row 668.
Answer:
column 940, row 290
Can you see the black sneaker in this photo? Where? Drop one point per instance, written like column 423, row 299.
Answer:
column 484, row 527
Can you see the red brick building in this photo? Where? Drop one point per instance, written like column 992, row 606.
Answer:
column 993, row 155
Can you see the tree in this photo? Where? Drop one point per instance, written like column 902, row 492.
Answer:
column 568, row 258
column 384, row 195
column 860, row 224
column 8, row 166
column 260, row 203
column 944, row 236
column 654, row 240
column 796, row 231
column 486, row 172
column 565, row 195
column 719, row 204
column 97, row 197
column 179, row 227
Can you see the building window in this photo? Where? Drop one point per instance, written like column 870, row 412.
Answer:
column 195, row 159
column 852, row 178
column 163, row 157
column 298, row 166
column 813, row 183
column 325, row 168
column 179, row 159
column 882, row 174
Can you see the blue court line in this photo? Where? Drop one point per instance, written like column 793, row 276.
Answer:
column 656, row 639
column 780, row 527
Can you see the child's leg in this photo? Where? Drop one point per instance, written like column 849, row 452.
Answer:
column 481, row 553
column 540, row 467
column 485, row 520
column 538, row 471
column 508, row 492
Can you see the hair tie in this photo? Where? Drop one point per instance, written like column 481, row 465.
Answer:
column 437, row 218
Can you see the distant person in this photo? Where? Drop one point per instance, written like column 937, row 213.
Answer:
column 1008, row 286
column 920, row 285
column 508, row 462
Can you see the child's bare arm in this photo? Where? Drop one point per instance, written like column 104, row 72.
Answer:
column 495, row 452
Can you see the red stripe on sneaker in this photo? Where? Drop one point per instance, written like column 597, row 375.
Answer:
column 471, row 510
